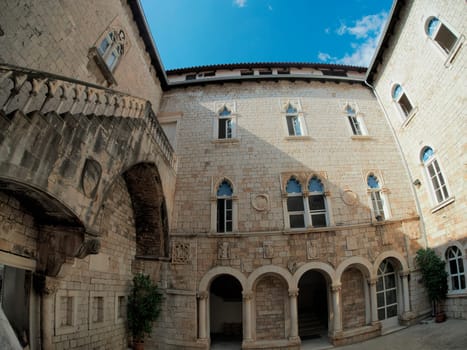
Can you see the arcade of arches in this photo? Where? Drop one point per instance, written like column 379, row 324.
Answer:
column 271, row 304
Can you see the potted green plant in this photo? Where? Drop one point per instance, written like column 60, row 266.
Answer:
column 434, row 277
column 144, row 306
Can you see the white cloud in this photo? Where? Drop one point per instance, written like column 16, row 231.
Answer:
column 325, row 57
column 362, row 54
column 364, row 27
column 240, row 3
column 369, row 29
column 269, row 7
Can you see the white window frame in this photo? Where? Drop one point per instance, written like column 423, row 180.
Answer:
column 114, row 48
column 231, row 107
column 384, row 290
column 463, row 261
column 406, row 116
column 451, row 54
column 383, row 199
column 298, row 116
column 311, row 212
column 434, row 163
column 355, row 121
column 214, row 200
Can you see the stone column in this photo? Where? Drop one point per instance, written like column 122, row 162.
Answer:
column 247, row 329
column 48, row 293
column 293, row 293
column 202, row 320
column 374, row 304
column 336, row 307
column 405, row 290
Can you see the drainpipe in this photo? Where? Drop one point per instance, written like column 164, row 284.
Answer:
column 406, row 166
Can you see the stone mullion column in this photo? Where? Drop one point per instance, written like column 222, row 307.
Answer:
column 374, row 304
column 293, row 293
column 202, row 320
column 336, row 307
column 247, row 322
column 405, row 290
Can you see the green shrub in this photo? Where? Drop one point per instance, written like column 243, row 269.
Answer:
column 434, row 275
column 144, row 306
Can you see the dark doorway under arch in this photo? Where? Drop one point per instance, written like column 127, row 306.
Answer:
column 225, row 310
column 312, row 305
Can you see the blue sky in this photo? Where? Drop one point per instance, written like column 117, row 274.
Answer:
column 204, row 32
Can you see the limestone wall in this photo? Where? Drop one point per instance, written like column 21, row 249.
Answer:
column 435, row 85
column 56, row 37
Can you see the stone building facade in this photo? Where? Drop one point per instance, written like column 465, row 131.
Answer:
column 272, row 203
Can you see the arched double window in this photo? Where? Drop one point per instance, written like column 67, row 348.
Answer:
column 456, row 271
column 403, row 103
column 225, row 207
column 111, row 48
column 379, row 206
column 436, row 179
column 309, row 210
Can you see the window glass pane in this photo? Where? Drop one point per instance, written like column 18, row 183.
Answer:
column 461, row 265
column 427, row 154
column 439, row 196
column 380, row 297
column 318, row 220
column 392, row 311
column 405, row 104
column 453, row 267
column 228, row 227
column 225, row 189
column 390, row 281
column 434, row 23
column 111, row 59
column 381, row 314
column 293, row 186
column 391, row 297
column 455, row 283
column 379, row 283
column 222, row 128
column 225, row 112
column 291, row 110
column 297, row 221
column 228, row 203
column 103, row 46
column 396, row 92
column 445, row 38
column 290, row 126
column 229, row 128
column 220, row 215
column 372, row 181
column 228, row 215
column 315, row 185
column 462, row 278
column 316, row 202
column 445, row 192
column 297, row 127
column 295, row 204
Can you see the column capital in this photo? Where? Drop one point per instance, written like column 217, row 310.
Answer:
column 336, row 288
column 293, row 292
column 247, row 295
column 372, row 281
column 202, row 295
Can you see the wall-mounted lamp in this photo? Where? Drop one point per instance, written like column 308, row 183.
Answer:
column 417, row 183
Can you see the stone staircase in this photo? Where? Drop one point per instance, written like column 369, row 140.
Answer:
column 310, row 326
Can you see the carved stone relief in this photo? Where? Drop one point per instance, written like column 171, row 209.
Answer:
column 260, row 202
column 268, row 250
column 312, row 248
column 223, row 250
column 90, row 177
column 181, row 253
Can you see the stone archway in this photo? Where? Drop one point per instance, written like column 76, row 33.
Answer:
column 225, row 311
column 313, row 305
column 149, row 208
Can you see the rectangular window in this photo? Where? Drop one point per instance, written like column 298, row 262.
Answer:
column 97, row 309
column 224, row 215
column 190, row 77
column 445, row 38
column 355, row 125
column 405, row 104
column 293, row 125
column 225, row 128
column 317, row 210
column 378, row 205
column 437, row 179
column 296, row 209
